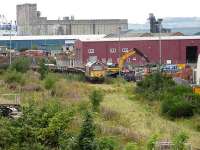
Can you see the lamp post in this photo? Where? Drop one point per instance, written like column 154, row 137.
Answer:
column 160, row 45
column 10, row 44
column 119, row 47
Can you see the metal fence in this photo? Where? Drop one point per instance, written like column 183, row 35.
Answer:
column 170, row 145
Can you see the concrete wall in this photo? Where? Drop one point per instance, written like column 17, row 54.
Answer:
column 30, row 23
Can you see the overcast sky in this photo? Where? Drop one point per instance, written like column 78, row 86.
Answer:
column 135, row 10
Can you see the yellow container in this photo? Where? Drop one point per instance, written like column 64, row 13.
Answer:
column 196, row 90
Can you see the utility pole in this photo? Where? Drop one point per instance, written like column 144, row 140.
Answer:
column 119, row 48
column 10, row 44
column 160, row 45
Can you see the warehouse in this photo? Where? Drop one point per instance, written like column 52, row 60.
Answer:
column 56, row 42
column 174, row 49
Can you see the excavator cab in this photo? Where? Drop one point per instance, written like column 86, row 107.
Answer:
column 118, row 69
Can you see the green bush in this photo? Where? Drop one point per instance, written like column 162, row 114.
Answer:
column 131, row 146
column 154, row 85
column 176, row 107
column 49, row 82
column 179, row 141
column 14, row 77
column 21, row 64
column 86, row 138
column 43, row 69
column 108, row 143
column 194, row 100
column 96, row 97
column 151, row 143
column 75, row 77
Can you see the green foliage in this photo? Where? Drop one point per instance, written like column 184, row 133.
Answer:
column 151, row 143
column 49, row 82
column 86, row 139
column 179, row 141
column 34, row 47
column 176, row 107
column 6, row 130
column 75, row 77
column 131, row 146
column 43, row 69
column 12, row 76
column 23, row 49
column 21, row 64
column 194, row 100
column 39, row 128
column 107, row 143
column 96, row 97
column 154, row 85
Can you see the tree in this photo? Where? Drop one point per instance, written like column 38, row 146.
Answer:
column 96, row 98
column 21, row 64
column 43, row 69
column 86, row 139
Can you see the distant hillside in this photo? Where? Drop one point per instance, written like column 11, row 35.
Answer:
column 186, row 25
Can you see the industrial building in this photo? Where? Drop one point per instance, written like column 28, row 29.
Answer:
column 56, row 42
column 30, row 22
column 174, row 49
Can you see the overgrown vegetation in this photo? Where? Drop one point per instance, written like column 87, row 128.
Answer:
column 114, row 122
column 21, row 64
column 176, row 100
column 96, row 97
column 42, row 126
column 43, row 69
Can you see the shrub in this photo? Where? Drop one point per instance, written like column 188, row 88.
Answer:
column 154, row 85
column 179, row 141
column 107, row 143
column 43, row 69
column 194, row 100
column 86, row 139
column 96, row 98
column 176, row 107
column 179, row 90
column 131, row 146
column 21, row 64
column 75, row 77
column 14, row 77
column 151, row 143
column 49, row 82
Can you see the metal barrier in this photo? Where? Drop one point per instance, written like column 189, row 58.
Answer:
column 169, row 146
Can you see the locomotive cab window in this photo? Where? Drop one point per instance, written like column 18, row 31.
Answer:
column 97, row 68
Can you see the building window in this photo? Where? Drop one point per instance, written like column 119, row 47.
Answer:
column 124, row 49
column 90, row 51
column 113, row 50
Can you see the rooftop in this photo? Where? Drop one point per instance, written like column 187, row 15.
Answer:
column 143, row 38
column 53, row 37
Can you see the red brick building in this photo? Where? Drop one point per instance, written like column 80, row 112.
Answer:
column 177, row 49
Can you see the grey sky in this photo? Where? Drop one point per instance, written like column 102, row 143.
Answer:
column 135, row 10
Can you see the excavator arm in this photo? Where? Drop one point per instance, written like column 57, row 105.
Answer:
column 130, row 53
column 123, row 58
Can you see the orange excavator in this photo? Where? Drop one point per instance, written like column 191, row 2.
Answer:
column 118, row 69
